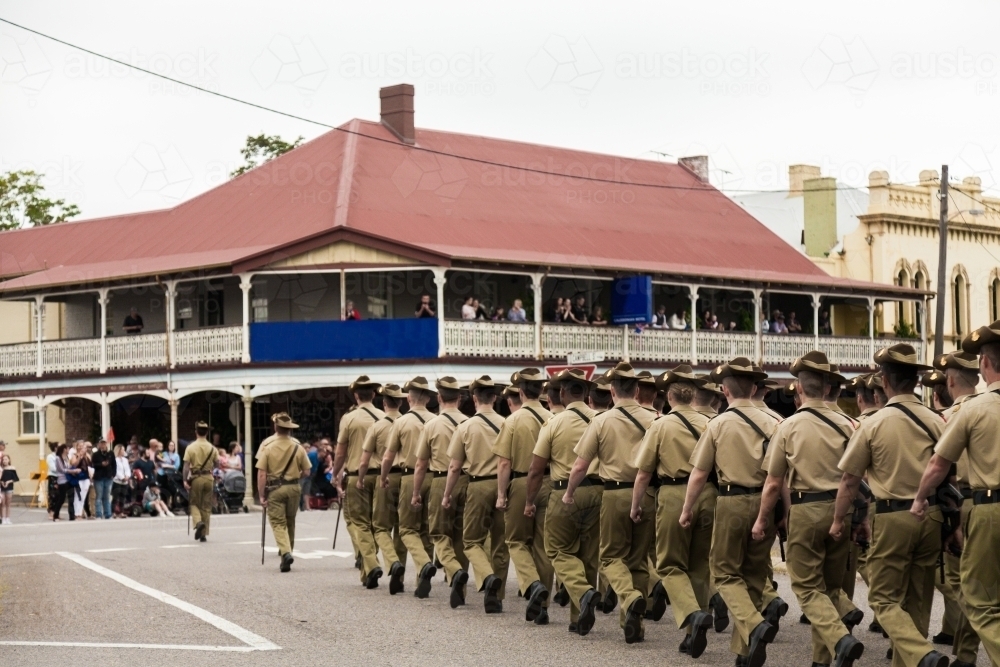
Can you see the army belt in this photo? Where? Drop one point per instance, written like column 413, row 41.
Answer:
column 406, row 472
column 444, row 473
column 199, row 473
column 966, row 492
column 562, row 484
column 270, row 486
column 673, row 481
column 515, row 474
column 483, row 478
column 737, row 490
column 371, row 471
column 987, row 497
column 799, row 497
column 394, row 469
column 615, row 486
column 887, row 506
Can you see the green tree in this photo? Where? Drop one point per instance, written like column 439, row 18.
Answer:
column 261, row 149
column 23, row 202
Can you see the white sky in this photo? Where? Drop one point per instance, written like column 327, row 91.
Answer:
column 901, row 86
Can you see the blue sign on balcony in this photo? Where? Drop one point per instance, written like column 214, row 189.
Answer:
column 333, row 340
column 632, row 300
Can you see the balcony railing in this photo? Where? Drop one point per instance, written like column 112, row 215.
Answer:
column 208, row 346
column 489, row 339
column 72, row 356
column 19, row 359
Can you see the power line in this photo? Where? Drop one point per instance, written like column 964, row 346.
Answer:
column 393, row 142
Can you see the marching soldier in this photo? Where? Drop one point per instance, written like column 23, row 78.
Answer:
column 614, row 437
column 656, row 597
column 600, row 401
column 572, row 532
column 937, row 382
column 403, row 439
column 681, row 553
column 200, row 458
column 864, row 397
column 893, row 447
column 733, row 446
column 445, row 525
column 280, row 467
column 972, row 433
column 802, row 458
column 525, row 534
column 358, row 501
column 551, row 392
column 385, row 516
column 471, row 452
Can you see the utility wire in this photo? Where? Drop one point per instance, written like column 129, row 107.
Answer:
column 393, row 142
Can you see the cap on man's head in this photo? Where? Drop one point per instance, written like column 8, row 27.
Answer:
column 738, row 367
column 528, row 375
column 901, row 354
column 511, row 390
column 482, row 382
column 817, row 362
column 681, row 373
column 933, row 378
column 421, row 383
column 959, row 361
column 364, row 382
column 570, row 375
column 981, row 336
column 622, row 371
column 447, row 382
column 874, row 381
column 857, row 382
column 391, row 390
column 646, row 378
column 283, row 420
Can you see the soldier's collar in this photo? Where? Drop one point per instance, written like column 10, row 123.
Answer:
column 531, row 403
column 994, row 386
column 814, row 403
column 903, row 398
column 964, row 398
column 391, row 413
column 578, row 405
column 742, row 403
column 627, row 402
column 684, row 407
column 487, row 410
column 366, row 404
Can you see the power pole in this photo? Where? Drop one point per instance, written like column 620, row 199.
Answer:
column 942, row 286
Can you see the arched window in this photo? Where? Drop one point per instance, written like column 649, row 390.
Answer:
column 994, row 297
column 960, row 302
column 919, row 282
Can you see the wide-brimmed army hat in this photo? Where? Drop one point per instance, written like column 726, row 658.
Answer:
column 857, row 382
column 901, row 354
column 483, row 382
column 570, row 375
column 622, row 371
column 362, row 382
column 772, row 384
column 981, row 336
column 391, row 390
column 788, row 388
column 817, row 362
column 602, row 382
column 933, row 378
column 960, row 361
column 874, row 381
column 681, row 373
column 708, row 385
column 283, row 420
column 646, row 378
column 512, row 390
column 421, row 383
column 528, row 375
column 738, row 367
column 447, row 382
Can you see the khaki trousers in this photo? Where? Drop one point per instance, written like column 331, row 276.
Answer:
column 682, row 553
column 282, row 506
column 413, row 521
column 483, row 521
column 385, row 522
column 200, row 501
column 740, row 565
column 980, row 569
column 816, row 564
column 901, row 568
column 526, row 536
column 966, row 646
column 445, row 525
column 358, row 511
column 625, row 545
column 572, row 541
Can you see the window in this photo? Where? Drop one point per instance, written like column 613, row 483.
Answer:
column 31, row 422
column 903, row 308
column 960, row 303
column 259, row 310
column 995, row 299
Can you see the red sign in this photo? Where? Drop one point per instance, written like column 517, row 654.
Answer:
column 589, row 369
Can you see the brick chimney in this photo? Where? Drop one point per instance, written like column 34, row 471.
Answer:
column 397, row 111
column 798, row 174
column 697, row 165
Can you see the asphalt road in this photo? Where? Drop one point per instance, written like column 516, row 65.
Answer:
column 317, row 614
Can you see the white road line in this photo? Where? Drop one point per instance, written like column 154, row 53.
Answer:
column 40, row 553
column 107, row 551
column 312, row 539
column 179, row 546
column 171, row 647
column 254, row 641
column 247, row 542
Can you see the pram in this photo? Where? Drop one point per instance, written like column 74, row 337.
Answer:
column 230, row 489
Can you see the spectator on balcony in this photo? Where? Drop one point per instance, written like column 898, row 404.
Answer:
column 660, row 320
column 469, row 309
column 678, row 321
column 558, row 314
column 578, row 310
column 765, row 326
column 133, row 323
column 350, row 312
column 778, row 325
column 825, row 329
column 498, row 314
column 706, row 319
column 426, row 307
column 714, row 324
column 793, row 324
column 481, row 313
column 517, row 312
column 597, row 318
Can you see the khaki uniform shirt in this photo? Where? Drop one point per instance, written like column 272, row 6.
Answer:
column 761, row 405
column 201, row 456
column 284, row 451
column 866, row 414
column 560, row 435
column 973, row 431
column 405, row 435
column 472, row 443
column 378, row 436
column 892, row 450
column 520, row 433
column 962, row 465
column 435, row 438
column 614, row 439
column 267, row 441
column 668, row 445
column 807, row 450
column 731, row 446
column 706, row 410
column 353, row 429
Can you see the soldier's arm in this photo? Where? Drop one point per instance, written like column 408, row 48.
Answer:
column 535, row 474
column 936, row 472
column 576, row 478
column 366, row 458
column 454, row 470
column 696, row 483
column 418, row 479
column 261, row 486
column 843, row 507
column 186, row 474
column 641, row 484
column 768, row 499
column 503, row 480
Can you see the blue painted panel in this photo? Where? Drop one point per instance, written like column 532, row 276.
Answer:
column 333, row 340
column 632, row 300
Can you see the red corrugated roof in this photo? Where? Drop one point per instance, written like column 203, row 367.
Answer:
column 459, row 209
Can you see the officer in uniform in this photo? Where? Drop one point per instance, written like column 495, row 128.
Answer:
column 280, row 467
column 864, row 397
column 385, row 516
column 358, row 501
column 600, row 401
column 445, row 525
column 525, row 534
column 471, row 453
column 707, row 397
column 614, row 437
column 936, row 381
column 572, row 532
column 893, row 447
column 551, row 393
column 403, row 439
column 681, row 553
column 733, row 446
column 802, row 458
column 972, row 433
column 200, row 458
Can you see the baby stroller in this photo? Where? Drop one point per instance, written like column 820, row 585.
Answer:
column 230, row 489
column 132, row 498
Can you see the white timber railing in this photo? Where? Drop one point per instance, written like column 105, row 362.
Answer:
column 784, row 349
column 19, row 359
column 561, row 340
column 489, row 339
column 141, row 351
column 208, row 346
column 71, row 356
column 660, row 345
column 716, row 347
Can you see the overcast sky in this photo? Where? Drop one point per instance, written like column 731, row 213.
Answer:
column 900, row 86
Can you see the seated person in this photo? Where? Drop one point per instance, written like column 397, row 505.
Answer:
column 152, row 503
